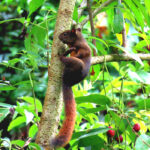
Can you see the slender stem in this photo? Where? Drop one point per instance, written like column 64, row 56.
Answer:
column 95, row 12
column 103, row 80
column 109, row 78
column 92, row 25
column 32, row 86
column 124, row 37
column 81, row 7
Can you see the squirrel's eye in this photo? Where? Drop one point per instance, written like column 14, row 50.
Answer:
column 65, row 34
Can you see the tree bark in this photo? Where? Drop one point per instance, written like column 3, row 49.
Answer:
column 53, row 99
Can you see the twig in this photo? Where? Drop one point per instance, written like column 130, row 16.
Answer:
column 95, row 12
column 124, row 37
column 92, row 25
column 81, row 7
column 137, row 133
column 32, row 86
column 47, row 41
column 118, row 57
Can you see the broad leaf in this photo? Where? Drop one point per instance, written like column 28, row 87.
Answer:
column 18, row 142
column 118, row 21
column 22, row 20
column 34, row 5
column 33, row 130
column 31, row 101
column 16, row 122
column 94, row 98
column 3, row 113
column 143, row 142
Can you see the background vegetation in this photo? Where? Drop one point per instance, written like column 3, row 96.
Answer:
column 114, row 94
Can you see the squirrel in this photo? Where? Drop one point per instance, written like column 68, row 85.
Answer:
column 76, row 69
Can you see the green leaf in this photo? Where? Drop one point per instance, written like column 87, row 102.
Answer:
column 3, row 113
column 118, row 21
column 18, row 142
column 86, row 133
column 12, row 62
column 84, row 114
column 30, row 100
column 34, row 42
column 34, row 5
column 140, row 76
column 143, row 11
column 137, row 13
column 98, row 39
column 143, row 103
column 91, row 140
column 94, row 98
column 6, row 87
column 89, row 137
column 122, row 123
column 34, row 146
column 140, row 45
column 75, row 14
column 145, row 76
column 134, row 76
column 147, row 4
column 6, row 105
column 23, row 82
column 33, row 130
column 21, row 20
column 142, row 142
column 128, row 52
column 16, row 122
column 94, row 110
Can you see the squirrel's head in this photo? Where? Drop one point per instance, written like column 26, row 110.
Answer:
column 70, row 36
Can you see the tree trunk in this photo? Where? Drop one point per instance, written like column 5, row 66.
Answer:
column 53, row 99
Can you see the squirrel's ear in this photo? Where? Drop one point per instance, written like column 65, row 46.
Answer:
column 73, row 30
column 79, row 29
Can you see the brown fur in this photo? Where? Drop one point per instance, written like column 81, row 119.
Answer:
column 76, row 69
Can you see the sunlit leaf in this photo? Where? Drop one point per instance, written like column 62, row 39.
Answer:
column 18, row 142
column 94, row 98
column 22, row 20
column 33, row 130
column 118, row 20
column 137, row 13
column 142, row 142
column 6, row 87
column 3, row 113
column 147, row 4
column 34, row 5
column 16, row 122
column 30, row 100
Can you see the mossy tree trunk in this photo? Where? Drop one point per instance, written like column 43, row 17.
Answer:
column 53, row 99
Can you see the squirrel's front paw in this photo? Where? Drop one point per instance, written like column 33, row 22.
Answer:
column 72, row 48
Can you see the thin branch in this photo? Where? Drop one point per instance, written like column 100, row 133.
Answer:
column 124, row 37
column 95, row 12
column 33, row 93
column 118, row 58
column 92, row 25
column 81, row 7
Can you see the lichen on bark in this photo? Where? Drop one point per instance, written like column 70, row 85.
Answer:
column 53, row 99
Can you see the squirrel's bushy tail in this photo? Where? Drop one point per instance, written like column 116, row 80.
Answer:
column 65, row 133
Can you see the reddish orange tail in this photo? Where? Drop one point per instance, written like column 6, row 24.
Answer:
column 67, row 128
